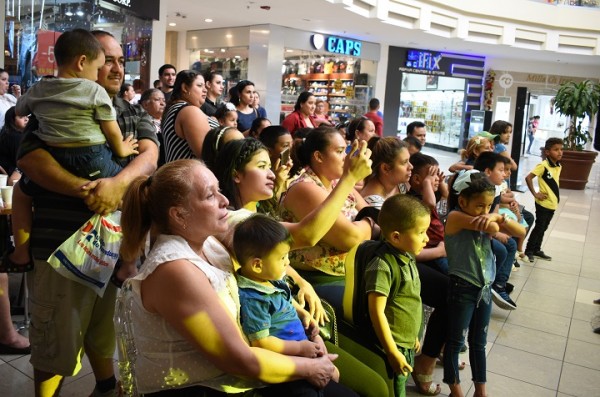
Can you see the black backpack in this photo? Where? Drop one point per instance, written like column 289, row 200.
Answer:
column 365, row 253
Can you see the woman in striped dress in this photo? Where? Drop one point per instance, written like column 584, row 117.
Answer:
column 184, row 125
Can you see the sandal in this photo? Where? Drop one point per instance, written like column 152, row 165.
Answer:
column 434, row 388
column 8, row 266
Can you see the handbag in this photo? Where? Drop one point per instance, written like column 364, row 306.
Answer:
column 90, row 254
column 330, row 330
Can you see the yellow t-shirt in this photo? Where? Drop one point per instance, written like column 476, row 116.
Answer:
column 548, row 174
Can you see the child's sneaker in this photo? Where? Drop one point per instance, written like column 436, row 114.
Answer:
column 541, row 255
column 501, row 298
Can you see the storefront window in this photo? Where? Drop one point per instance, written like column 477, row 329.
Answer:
column 230, row 62
column 437, row 101
column 33, row 27
column 341, row 81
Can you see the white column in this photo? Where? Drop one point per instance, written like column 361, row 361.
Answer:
column 157, row 49
column 266, row 52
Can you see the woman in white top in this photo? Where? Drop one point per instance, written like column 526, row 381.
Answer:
column 180, row 311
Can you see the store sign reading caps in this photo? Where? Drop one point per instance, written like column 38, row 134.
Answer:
column 337, row 45
column 426, row 60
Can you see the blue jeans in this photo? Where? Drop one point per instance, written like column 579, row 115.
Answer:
column 467, row 311
column 505, row 257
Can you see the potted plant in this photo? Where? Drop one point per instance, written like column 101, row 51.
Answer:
column 576, row 101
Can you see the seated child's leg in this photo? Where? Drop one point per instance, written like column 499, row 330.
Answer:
column 505, row 257
column 22, row 219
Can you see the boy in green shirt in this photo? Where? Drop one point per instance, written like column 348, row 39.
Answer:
column 393, row 286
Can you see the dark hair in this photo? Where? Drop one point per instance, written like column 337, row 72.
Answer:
column 298, row 136
column 234, row 92
column 209, row 75
column 384, row 151
column 499, row 127
column 400, row 212
column 9, row 119
column 124, row 88
column 420, row 161
column 302, row 98
column 212, row 145
column 148, row 200
column 156, row 83
column 270, row 135
column 553, row 141
column 75, row 43
column 535, row 117
column 479, row 184
column 138, row 84
column 357, row 124
column 232, row 158
column 222, row 111
column 147, row 94
column 373, row 103
column 487, row 160
column 411, row 127
column 506, row 160
column 316, row 140
column 164, row 67
column 257, row 236
column 412, row 141
column 185, row 77
column 256, row 123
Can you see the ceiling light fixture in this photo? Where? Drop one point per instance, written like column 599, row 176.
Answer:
column 79, row 11
column 69, row 11
column 229, row 35
column 208, row 20
column 172, row 24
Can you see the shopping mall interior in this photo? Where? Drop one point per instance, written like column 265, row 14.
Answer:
column 456, row 65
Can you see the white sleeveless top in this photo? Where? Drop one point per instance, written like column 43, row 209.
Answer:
column 163, row 358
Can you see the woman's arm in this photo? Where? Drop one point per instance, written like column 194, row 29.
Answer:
column 459, row 166
column 192, row 125
column 319, row 212
column 181, row 294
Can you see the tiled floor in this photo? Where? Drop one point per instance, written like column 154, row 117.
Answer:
column 544, row 348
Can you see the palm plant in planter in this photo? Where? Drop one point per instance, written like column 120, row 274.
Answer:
column 577, row 100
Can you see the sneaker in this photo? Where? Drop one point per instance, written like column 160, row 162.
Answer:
column 529, row 256
column 516, row 264
column 501, row 299
column 509, row 288
column 541, row 255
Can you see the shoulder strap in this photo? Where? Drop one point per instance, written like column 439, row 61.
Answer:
column 365, row 253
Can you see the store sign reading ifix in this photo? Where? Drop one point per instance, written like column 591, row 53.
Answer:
column 426, row 60
column 337, row 45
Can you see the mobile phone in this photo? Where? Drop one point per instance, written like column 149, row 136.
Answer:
column 284, row 156
column 348, row 149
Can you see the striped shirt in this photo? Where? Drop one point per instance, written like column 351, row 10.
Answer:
column 177, row 148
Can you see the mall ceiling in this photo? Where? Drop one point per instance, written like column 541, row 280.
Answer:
column 322, row 16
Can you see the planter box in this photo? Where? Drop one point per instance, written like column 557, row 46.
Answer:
column 576, row 168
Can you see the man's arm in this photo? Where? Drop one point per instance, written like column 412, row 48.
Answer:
column 51, row 176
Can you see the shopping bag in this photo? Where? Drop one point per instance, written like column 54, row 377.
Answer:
column 90, row 254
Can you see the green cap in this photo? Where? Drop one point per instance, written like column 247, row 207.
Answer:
column 486, row 134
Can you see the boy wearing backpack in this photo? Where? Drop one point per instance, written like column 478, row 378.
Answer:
column 392, row 285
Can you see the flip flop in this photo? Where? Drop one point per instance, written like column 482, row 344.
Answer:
column 9, row 350
column 8, row 266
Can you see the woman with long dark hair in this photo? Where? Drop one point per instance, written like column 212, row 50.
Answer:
column 303, row 115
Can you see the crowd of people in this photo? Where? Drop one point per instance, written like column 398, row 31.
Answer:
column 226, row 263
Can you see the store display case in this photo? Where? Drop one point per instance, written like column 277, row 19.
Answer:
column 440, row 106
